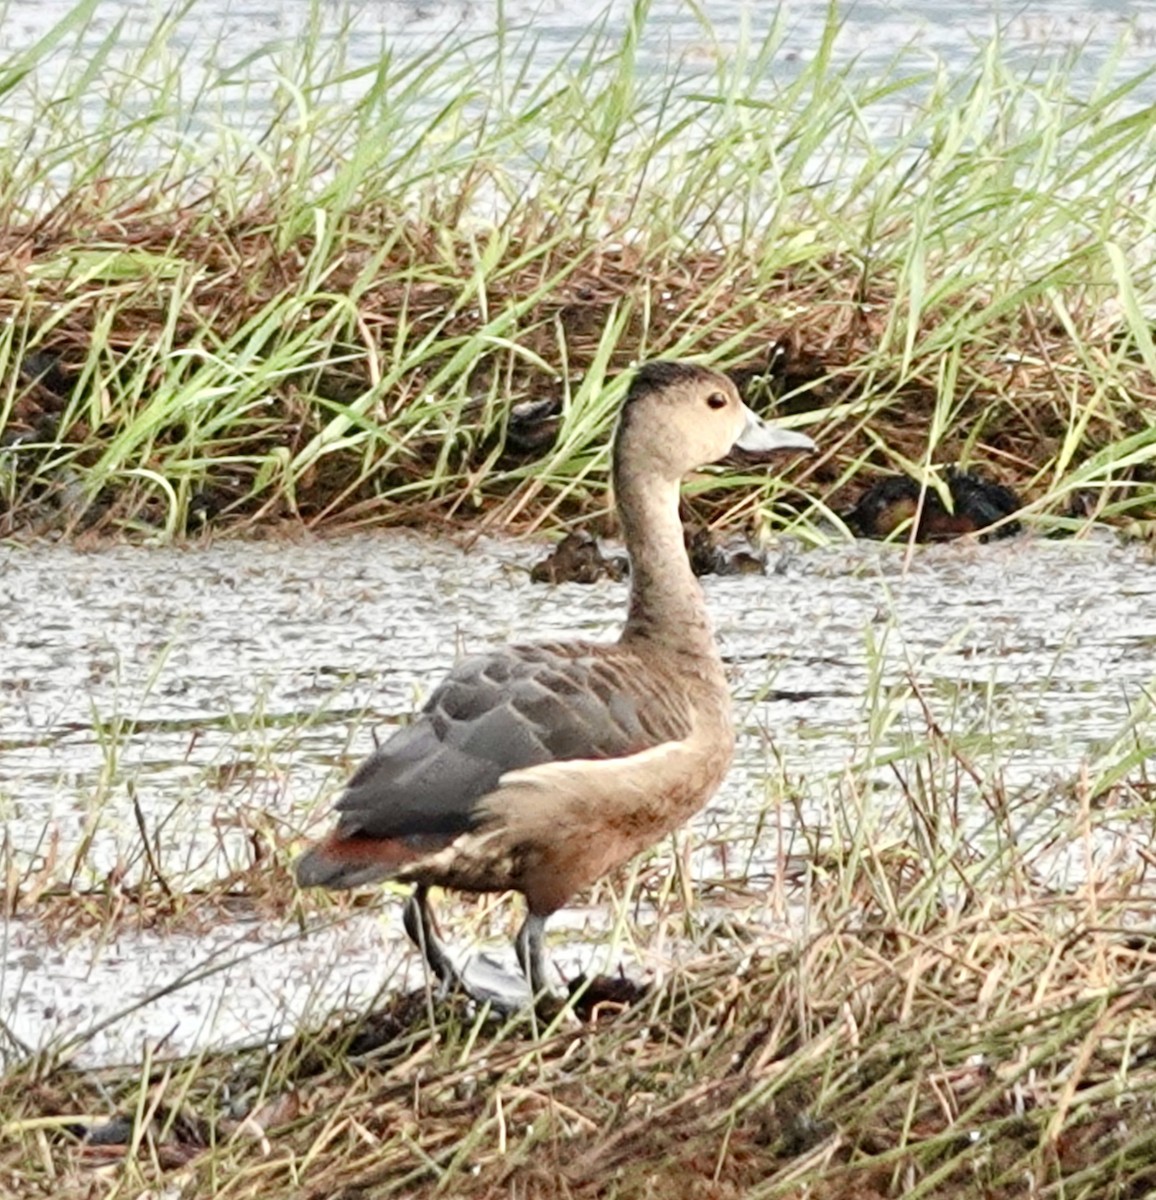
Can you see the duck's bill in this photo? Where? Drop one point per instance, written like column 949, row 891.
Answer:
column 761, row 437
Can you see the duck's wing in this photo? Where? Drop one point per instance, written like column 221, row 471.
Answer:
column 501, row 712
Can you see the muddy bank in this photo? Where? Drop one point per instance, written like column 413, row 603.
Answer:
column 325, row 446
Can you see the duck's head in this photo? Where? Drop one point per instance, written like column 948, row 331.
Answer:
column 678, row 416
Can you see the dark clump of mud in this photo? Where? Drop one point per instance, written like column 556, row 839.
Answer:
column 597, row 998
column 579, row 559
column 709, row 555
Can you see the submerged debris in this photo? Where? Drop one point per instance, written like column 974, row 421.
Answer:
column 894, row 503
column 578, row 559
column 709, row 557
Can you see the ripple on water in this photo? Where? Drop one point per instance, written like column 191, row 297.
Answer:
column 232, row 686
column 1111, row 38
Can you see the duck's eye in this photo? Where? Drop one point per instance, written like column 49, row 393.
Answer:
column 716, row 400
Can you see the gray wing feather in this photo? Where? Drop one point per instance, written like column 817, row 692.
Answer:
column 516, row 708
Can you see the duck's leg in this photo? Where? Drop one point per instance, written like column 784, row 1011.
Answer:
column 419, row 924
column 528, row 946
column 478, row 978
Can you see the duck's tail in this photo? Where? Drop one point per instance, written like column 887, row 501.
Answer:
column 349, row 862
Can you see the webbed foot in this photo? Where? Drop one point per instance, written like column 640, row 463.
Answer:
column 479, row 977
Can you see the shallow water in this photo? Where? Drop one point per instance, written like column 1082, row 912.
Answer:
column 271, row 37
column 224, row 691
column 871, row 30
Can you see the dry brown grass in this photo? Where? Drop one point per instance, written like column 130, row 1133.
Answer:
column 996, row 1043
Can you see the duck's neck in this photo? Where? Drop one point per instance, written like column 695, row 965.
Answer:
column 666, row 601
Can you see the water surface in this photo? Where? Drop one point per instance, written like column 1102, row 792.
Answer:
column 234, row 54
column 221, row 693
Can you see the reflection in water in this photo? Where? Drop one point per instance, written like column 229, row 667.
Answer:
column 231, row 687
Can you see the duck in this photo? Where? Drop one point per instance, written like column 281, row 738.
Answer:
column 978, row 504
column 538, row 768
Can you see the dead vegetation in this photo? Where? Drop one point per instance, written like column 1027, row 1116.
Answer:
column 990, row 1047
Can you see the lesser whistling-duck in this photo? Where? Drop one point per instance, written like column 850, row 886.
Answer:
column 977, row 504
column 539, row 768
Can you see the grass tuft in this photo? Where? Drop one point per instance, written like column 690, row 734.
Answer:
column 331, row 309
